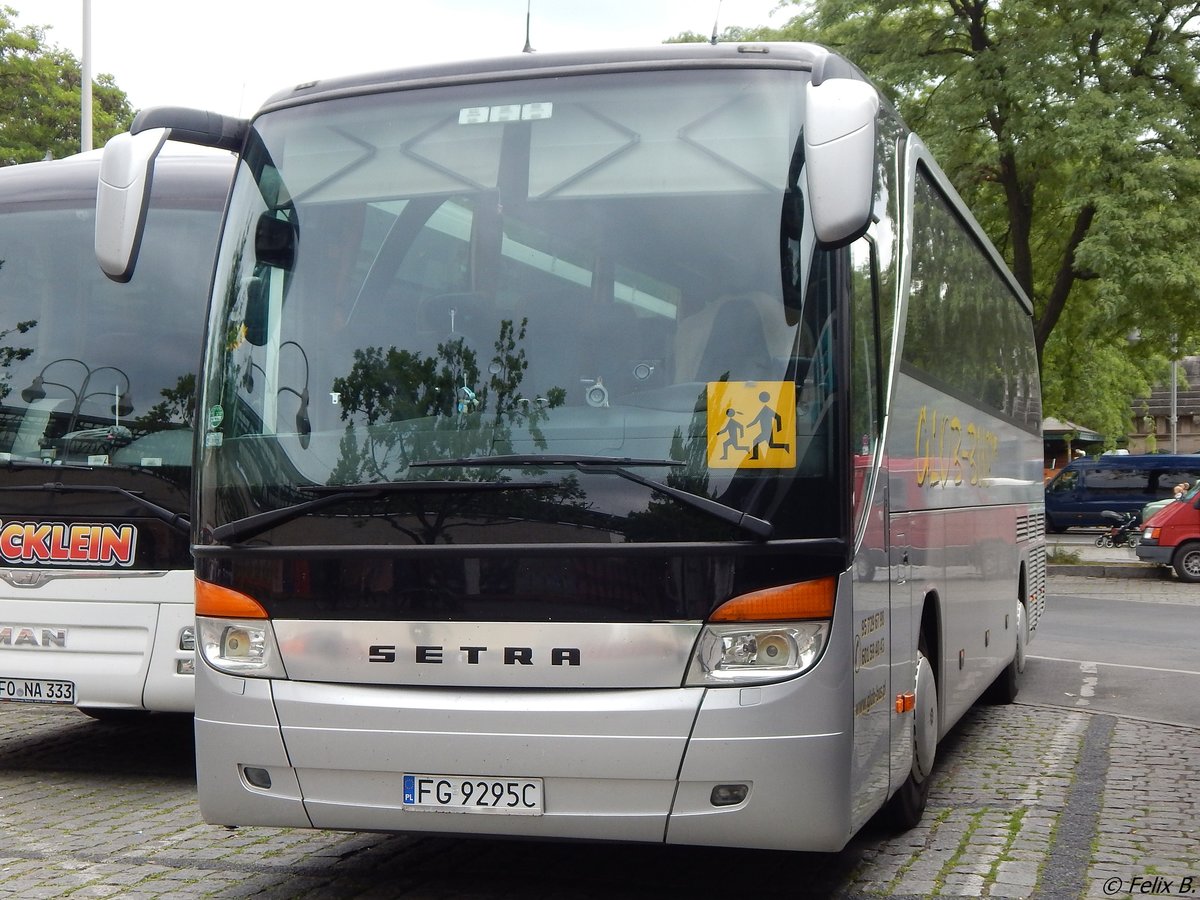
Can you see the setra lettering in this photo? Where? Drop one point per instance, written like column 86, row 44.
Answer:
column 434, row 654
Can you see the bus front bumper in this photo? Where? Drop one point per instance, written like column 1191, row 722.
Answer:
column 640, row 766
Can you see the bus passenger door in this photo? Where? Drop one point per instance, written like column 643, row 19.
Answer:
column 872, row 588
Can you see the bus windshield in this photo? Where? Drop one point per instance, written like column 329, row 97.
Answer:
column 98, row 375
column 535, row 286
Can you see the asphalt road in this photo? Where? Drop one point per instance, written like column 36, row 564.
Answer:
column 1128, row 657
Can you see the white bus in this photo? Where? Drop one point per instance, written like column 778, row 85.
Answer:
column 97, row 391
column 639, row 446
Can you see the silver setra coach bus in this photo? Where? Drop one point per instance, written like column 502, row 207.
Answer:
column 640, row 446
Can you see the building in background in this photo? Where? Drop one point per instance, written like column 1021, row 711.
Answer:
column 1151, row 416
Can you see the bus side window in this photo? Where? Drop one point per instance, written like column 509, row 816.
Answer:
column 866, row 399
column 866, row 363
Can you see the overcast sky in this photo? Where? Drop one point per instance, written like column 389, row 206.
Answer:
column 230, row 55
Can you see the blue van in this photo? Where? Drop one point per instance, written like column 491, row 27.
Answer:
column 1079, row 494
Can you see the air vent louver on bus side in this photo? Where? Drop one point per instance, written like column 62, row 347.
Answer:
column 1033, row 528
column 1030, row 527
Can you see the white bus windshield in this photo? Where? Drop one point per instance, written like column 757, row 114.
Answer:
column 96, row 374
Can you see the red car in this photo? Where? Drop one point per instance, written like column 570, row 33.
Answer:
column 1171, row 536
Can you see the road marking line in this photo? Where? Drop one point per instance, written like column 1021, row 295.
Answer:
column 1087, row 690
column 1083, row 662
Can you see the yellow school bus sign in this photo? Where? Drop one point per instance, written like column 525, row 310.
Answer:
column 751, row 425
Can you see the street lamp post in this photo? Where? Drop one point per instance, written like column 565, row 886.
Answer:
column 1174, row 420
column 85, row 93
column 303, row 423
column 122, row 403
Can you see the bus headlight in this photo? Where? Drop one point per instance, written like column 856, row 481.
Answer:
column 764, row 636
column 240, row 647
column 741, row 654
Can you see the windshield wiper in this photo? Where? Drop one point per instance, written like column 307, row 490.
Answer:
column 333, row 494
column 619, row 466
column 176, row 520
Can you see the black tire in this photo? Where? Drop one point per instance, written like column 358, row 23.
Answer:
column 904, row 810
column 1007, row 685
column 117, row 716
column 1187, row 561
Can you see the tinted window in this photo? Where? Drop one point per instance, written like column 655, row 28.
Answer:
column 967, row 332
column 1124, row 480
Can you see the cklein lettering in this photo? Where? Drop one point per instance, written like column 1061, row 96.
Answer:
column 432, row 654
column 60, row 543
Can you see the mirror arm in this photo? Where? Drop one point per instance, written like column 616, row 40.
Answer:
column 194, row 126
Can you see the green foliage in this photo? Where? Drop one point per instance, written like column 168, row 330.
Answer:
column 10, row 355
column 729, row 35
column 1072, row 130
column 177, row 408
column 40, row 91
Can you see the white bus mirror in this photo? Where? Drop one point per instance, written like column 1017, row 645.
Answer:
column 839, row 157
column 122, row 196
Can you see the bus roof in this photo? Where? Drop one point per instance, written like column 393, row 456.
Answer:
column 188, row 173
column 786, row 55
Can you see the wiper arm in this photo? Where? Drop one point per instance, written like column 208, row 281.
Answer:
column 333, row 494
column 619, row 466
column 176, row 520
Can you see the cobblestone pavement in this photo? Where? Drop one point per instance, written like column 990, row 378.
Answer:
column 1027, row 802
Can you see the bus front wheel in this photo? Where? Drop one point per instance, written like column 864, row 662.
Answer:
column 907, row 805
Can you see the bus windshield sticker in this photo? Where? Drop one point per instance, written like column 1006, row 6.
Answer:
column 508, row 112
column 67, row 544
column 751, row 425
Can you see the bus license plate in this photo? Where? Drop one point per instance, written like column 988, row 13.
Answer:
column 451, row 793
column 37, row 690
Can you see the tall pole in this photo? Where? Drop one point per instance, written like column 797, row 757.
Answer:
column 1174, row 403
column 85, row 117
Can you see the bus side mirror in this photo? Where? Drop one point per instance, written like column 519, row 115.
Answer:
column 839, row 157
column 275, row 242
column 122, row 196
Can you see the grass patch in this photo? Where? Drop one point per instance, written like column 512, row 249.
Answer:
column 1061, row 556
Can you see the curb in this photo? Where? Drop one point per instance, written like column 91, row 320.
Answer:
column 1110, row 570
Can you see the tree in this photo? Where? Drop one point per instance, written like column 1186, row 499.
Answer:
column 1072, row 130
column 40, row 95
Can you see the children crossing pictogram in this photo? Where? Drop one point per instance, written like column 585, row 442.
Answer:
column 751, row 424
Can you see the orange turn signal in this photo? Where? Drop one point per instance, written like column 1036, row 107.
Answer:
column 806, row 600
column 906, row 702
column 225, row 603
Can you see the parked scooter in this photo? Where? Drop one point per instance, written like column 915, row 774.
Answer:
column 1124, row 532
